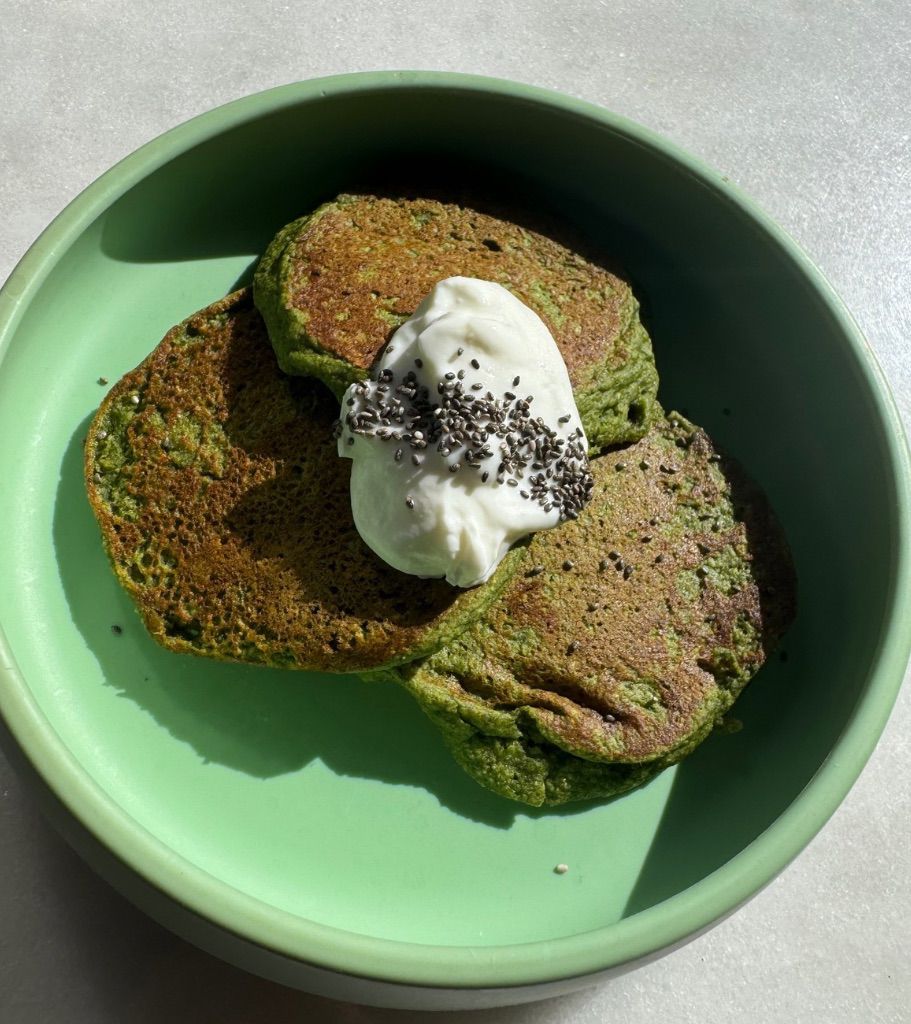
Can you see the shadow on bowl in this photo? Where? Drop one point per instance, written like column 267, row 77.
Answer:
column 260, row 721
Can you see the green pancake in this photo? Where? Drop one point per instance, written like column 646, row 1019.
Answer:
column 225, row 511
column 628, row 635
column 335, row 284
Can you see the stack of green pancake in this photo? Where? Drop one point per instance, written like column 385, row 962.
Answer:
column 599, row 653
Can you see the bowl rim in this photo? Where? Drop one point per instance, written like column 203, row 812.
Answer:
column 642, row 935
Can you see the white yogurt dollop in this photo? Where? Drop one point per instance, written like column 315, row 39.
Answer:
column 409, row 505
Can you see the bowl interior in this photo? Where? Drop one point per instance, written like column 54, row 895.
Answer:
column 332, row 799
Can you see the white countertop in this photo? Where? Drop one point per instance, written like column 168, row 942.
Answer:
column 805, row 107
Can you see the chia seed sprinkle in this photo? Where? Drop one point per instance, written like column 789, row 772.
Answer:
column 459, row 351
column 603, row 564
column 627, row 571
column 568, row 564
column 561, row 869
column 515, row 381
column 573, row 647
column 134, row 399
column 399, row 452
column 475, row 364
column 535, row 570
column 102, row 380
column 409, row 502
column 419, row 363
column 467, row 422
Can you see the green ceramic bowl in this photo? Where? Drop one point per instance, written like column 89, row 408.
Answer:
column 314, row 829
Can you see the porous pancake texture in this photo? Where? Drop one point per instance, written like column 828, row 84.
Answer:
column 225, row 511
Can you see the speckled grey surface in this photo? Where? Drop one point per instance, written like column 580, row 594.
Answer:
column 805, row 106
